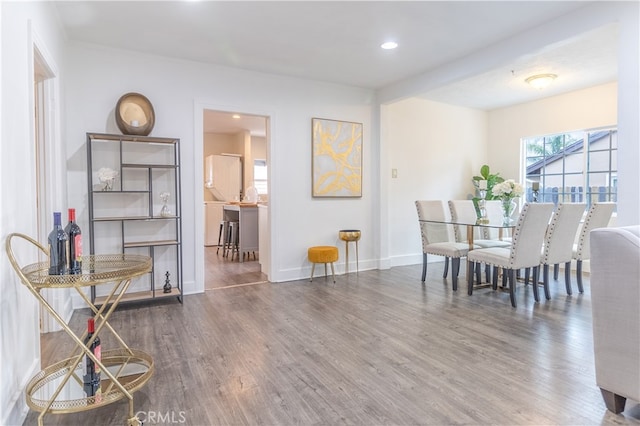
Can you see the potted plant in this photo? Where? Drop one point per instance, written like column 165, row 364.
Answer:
column 492, row 179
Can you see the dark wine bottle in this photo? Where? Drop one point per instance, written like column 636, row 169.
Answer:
column 96, row 349
column 91, row 371
column 57, row 247
column 88, row 366
column 75, row 244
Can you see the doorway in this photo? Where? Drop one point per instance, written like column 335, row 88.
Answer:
column 232, row 135
column 48, row 177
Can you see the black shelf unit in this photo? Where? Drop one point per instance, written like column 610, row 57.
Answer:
column 146, row 166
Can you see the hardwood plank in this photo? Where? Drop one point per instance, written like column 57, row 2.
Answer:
column 377, row 347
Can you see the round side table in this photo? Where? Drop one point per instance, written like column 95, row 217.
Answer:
column 349, row 235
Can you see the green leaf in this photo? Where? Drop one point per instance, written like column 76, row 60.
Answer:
column 484, row 171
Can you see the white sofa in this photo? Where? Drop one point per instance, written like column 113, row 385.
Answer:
column 615, row 301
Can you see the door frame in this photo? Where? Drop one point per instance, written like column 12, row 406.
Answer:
column 198, row 169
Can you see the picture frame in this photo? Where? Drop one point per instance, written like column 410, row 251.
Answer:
column 336, row 159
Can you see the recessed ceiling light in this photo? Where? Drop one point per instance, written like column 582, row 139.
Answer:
column 540, row 81
column 389, row 45
column 236, row 116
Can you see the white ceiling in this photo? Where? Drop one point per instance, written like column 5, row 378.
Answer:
column 339, row 41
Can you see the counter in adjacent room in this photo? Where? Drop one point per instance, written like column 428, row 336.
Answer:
column 263, row 223
column 247, row 217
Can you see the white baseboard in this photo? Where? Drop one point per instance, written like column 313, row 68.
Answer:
column 17, row 411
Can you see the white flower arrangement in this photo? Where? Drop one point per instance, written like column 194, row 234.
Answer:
column 508, row 189
column 164, row 196
column 105, row 174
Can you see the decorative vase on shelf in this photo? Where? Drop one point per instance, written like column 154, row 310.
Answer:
column 107, row 176
column 165, row 212
column 107, row 185
column 508, row 207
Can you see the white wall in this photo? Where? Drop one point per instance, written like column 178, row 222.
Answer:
column 98, row 77
column 436, row 150
column 23, row 23
column 587, row 18
column 582, row 109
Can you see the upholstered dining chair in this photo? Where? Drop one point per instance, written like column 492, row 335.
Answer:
column 463, row 211
column 495, row 215
column 558, row 243
column 438, row 238
column 524, row 251
column 598, row 216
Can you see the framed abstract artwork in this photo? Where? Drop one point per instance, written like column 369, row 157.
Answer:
column 336, row 164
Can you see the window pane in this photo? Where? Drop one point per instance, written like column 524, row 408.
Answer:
column 598, row 161
column 556, row 163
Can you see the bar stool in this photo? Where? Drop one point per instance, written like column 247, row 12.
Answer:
column 220, row 239
column 232, row 238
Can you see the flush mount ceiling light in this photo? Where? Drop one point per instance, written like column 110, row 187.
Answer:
column 540, row 81
column 389, row 45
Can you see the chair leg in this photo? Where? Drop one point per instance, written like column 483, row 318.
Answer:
column 333, row 273
column 313, row 268
column 446, row 267
column 512, row 286
column 527, row 271
column 534, row 284
column 504, row 278
column 455, row 269
column 556, row 270
column 220, row 237
column 487, row 272
column 494, row 279
column 579, row 276
column 325, row 270
column 478, row 272
column 545, row 278
column 424, row 266
column 536, row 274
column 471, row 267
column 567, row 277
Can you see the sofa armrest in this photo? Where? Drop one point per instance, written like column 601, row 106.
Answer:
column 615, row 301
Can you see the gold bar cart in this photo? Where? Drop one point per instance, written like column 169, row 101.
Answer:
column 58, row 388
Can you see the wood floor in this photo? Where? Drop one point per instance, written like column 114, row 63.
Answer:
column 221, row 271
column 375, row 348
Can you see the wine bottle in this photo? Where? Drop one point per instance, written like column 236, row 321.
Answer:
column 75, row 244
column 91, row 371
column 88, row 366
column 96, row 349
column 57, row 247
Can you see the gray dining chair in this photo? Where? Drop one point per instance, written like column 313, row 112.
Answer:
column 438, row 238
column 524, row 251
column 598, row 216
column 495, row 215
column 558, row 243
column 463, row 211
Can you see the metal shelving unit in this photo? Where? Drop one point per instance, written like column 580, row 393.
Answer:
column 127, row 217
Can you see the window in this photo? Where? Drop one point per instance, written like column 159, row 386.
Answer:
column 260, row 176
column 563, row 168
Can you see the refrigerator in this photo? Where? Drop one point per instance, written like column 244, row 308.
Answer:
column 223, row 176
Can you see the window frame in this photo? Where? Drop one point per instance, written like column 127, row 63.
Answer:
column 541, row 164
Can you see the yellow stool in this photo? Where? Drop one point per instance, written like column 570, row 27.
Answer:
column 323, row 254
